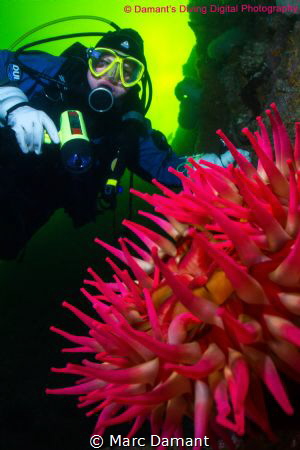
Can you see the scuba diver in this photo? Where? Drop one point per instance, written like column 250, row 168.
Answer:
column 100, row 88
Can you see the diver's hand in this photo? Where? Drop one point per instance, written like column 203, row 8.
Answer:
column 29, row 124
column 227, row 158
column 209, row 157
column 222, row 160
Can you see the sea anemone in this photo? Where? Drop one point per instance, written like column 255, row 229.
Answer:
column 207, row 319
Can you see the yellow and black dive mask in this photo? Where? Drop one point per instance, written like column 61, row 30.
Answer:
column 105, row 61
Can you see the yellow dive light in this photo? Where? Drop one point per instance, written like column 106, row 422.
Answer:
column 76, row 151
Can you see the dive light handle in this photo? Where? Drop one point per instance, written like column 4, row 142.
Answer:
column 75, row 147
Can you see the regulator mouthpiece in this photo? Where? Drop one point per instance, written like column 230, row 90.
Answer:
column 101, row 99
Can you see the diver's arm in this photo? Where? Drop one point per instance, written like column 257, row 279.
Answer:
column 155, row 156
column 153, row 159
column 28, row 123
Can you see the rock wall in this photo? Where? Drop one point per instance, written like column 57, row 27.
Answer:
column 240, row 64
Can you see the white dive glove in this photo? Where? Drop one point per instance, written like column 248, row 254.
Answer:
column 220, row 160
column 224, row 159
column 227, row 158
column 28, row 123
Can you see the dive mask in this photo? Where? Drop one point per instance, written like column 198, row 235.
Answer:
column 105, row 61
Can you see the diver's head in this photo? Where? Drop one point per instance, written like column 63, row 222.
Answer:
column 117, row 62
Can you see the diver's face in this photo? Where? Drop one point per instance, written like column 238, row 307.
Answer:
column 109, row 80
